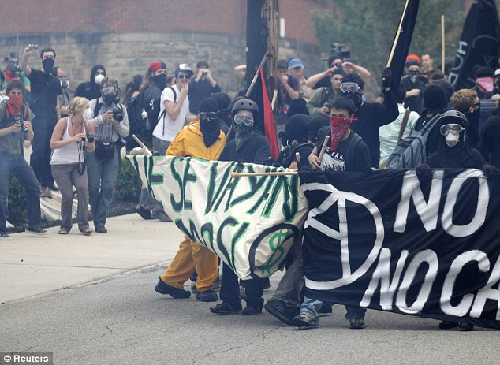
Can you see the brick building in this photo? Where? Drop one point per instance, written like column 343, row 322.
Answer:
column 126, row 35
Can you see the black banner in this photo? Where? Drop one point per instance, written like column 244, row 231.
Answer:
column 479, row 45
column 391, row 241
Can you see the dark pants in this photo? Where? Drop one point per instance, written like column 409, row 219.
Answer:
column 230, row 290
column 19, row 168
column 40, row 155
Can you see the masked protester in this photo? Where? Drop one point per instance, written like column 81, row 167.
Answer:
column 339, row 149
column 253, row 148
column 92, row 89
column 200, row 139
column 13, row 72
column 45, row 93
column 110, row 120
column 15, row 127
column 414, row 84
column 467, row 102
column 225, row 117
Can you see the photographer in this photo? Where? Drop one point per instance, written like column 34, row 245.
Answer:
column 71, row 137
column 110, row 121
column 201, row 87
column 15, row 127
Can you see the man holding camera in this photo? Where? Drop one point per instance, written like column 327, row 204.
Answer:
column 15, row 127
column 45, row 93
column 201, row 87
column 110, row 120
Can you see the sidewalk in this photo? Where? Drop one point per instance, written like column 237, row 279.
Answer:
column 32, row 264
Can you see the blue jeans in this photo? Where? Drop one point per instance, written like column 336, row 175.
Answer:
column 312, row 306
column 102, row 178
column 19, row 168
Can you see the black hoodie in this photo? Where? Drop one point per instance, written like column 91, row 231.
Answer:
column 90, row 89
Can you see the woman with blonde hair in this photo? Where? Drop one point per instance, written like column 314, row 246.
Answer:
column 71, row 136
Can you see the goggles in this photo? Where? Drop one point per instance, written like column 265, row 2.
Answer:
column 349, row 87
column 447, row 128
column 208, row 115
column 243, row 118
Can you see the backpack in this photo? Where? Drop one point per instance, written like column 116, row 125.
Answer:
column 135, row 115
column 411, row 151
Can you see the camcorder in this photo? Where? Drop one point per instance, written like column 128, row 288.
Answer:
column 337, row 50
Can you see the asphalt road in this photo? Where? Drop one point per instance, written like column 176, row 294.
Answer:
column 122, row 320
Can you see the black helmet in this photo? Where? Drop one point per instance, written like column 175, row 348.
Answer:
column 454, row 116
column 244, row 104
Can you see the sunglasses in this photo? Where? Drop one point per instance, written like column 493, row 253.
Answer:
column 477, row 103
column 336, row 65
column 182, row 77
column 349, row 86
column 209, row 115
column 447, row 128
column 243, row 118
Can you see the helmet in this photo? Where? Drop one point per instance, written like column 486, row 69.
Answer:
column 454, row 116
column 245, row 104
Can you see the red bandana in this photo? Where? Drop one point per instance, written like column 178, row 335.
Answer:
column 338, row 128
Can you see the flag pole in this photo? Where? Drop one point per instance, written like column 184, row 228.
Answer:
column 396, row 38
column 254, row 80
column 143, row 146
column 443, row 40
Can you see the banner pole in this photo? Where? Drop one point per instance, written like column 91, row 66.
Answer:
column 148, row 152
column 443, row 44
column 396, row 38
column 276, row 173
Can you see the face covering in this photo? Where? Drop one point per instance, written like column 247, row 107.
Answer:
column 98, row 79
column 355, row 96
column 414, row 74
column 161, row 81
column 14, row 103
column 48, row 65
column 210, row 129
column 339, row 127
column 485, row 82
column 109, row 99
column 243, row 132
column 13, row 66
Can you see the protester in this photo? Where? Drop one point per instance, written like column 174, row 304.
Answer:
column 415, row 85
column 65, row 98
column 253, row 148
column 489, row 143
column 323, row 97
column 296, row 68
column 110, row 120
column 92, row 89
column 202, row 86
column 72, row 135
column 484, row 82
column 15, row 127
column 335, row 63
column 428, row 65
column 200, row 139
column 225, row 118
column 344, row 151
column 174, row 106
column 13, row 72
column 45, row 92
column 467, row 102
column 288, row 89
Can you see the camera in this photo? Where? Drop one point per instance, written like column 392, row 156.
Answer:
column 337, row 50
column 34, row 47
column 118, row 115
column 21, row 124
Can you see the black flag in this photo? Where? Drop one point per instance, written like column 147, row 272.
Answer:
column 402, row 41
column 479, row 45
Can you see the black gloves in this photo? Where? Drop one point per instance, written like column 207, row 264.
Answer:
column 386, row 78
column 488, row 171
column 422, row 170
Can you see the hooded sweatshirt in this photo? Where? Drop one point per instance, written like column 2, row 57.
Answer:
column 90, row 89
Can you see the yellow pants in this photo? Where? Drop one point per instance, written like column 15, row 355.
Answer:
column 189, row 257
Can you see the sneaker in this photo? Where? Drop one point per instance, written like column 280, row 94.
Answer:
column 36, row 230
column 224, row 308
column 446, row 325
column 5, row 236
column 326, row 310
column 144, row 213
column 161, row 216
column 305, row 321
column 465, row 326
column 101, row 229
column 207, row 296
column 251, row 311
column 278, row 309
column 164, row 288
column 357, row 323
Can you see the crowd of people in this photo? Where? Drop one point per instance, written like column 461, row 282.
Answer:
column 327, row 124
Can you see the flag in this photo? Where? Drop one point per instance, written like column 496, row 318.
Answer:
column 402, row 41
column 267, row 113
column 479, row 45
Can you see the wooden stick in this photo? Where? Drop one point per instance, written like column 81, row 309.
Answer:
column 148, row 152
column 396, row 38
column 443, row 40
column 276, row 173
column 254, row 80
column 323, row 149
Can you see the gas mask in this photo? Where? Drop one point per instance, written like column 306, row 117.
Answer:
column 243, row 126
column 98, row 79
column 452, row 133
column 13, row 65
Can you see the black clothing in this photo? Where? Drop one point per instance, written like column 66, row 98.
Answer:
column 255, row 150
column 370, row 116
column 489, row 144
column 414, row 103
column 90, row 90
column 199, row 91
column 351, row 155
column 459, row 156
column 324, row 82
column 288, row 155
column 44, row 91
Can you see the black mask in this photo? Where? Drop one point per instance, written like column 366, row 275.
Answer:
column 161, row 81
column 355, row 96
column 109, row 99
column 243, row 132
column 210, row 129
column 13, row 67
column 48, row 65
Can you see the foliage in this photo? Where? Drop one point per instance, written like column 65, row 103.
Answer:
column 368, row 29
column 128, row 183
column 18, row 198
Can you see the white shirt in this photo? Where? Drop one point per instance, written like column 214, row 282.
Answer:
column 68, row 154
column 167, row 129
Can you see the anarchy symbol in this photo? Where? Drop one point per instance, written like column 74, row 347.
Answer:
column 340, row 197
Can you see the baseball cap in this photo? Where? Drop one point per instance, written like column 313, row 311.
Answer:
column 295, row 63
column 184, row 67
column 497, row 72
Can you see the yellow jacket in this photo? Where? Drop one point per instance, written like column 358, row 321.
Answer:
column 189, row 142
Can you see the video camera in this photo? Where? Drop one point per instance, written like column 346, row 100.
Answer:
column 337, row 50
